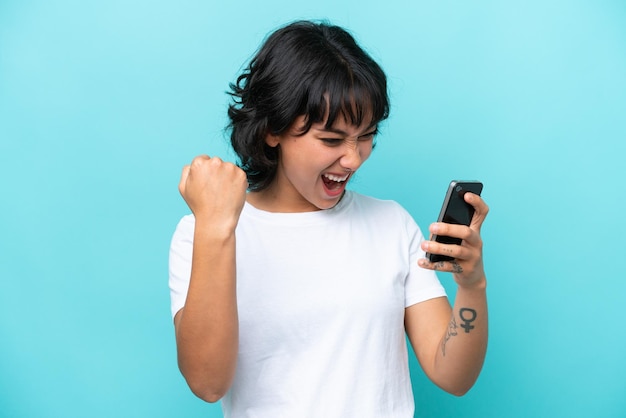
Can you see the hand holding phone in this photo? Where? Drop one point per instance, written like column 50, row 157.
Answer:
column 455, row 211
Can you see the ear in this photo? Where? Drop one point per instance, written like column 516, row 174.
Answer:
column 272, row 140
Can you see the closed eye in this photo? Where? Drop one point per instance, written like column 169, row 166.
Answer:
column 333, row 142
column 368, row 136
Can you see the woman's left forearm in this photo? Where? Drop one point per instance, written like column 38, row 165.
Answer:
column 464, row 344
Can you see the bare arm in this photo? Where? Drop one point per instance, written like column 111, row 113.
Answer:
column 451, row 343
column 207, row 330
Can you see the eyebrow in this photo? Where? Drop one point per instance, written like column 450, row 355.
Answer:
column 341, row 132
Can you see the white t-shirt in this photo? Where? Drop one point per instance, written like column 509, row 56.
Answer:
column 321, row 299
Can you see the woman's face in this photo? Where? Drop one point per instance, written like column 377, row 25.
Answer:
column 314, row 168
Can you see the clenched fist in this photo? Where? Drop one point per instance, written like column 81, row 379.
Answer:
column 214, row 190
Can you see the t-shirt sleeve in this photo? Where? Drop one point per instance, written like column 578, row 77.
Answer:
column 181, row 250
column 421, row 284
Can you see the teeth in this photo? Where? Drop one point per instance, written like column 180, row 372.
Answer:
column 336, row 178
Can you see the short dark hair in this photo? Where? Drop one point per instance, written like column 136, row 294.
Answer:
column 304, row 68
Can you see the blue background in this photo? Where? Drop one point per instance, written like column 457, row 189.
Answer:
column 101, row 103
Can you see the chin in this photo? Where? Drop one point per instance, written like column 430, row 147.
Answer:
column 329, row 204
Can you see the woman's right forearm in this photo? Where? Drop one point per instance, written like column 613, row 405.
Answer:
column 207, row 333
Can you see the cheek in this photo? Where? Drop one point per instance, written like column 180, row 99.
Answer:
column 366, row 151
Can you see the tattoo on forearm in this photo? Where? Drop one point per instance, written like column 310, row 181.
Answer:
column 451, row 332
column 468, row 315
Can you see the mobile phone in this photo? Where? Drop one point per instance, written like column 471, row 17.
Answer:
column 455, row 211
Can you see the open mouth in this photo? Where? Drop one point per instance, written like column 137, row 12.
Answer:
column 334, row 182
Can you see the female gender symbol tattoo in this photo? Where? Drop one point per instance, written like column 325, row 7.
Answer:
column 467, row 321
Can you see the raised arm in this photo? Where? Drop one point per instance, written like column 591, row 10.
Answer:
column 207, row 331
column 451, row 343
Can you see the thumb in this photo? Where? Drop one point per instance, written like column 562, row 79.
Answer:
column 183, row 179
column 480, row 210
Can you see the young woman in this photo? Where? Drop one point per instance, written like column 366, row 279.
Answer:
column 292, row 295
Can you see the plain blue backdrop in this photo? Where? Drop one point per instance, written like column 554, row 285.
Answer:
column 102, row 103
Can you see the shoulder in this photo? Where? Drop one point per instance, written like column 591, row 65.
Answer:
column 378, row 206
column 186, row 222
column 385, row 214
column 184, row 228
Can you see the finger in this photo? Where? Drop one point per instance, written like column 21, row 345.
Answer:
column 451, row 250
column 199, row 161
column 443, row 266
column 450, row 230
column 465, row 233
column 480, row 210
column 183, row 179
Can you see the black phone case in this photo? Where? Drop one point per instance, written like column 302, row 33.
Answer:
column 455, row 211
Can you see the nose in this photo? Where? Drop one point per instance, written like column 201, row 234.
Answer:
column 352, row 157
